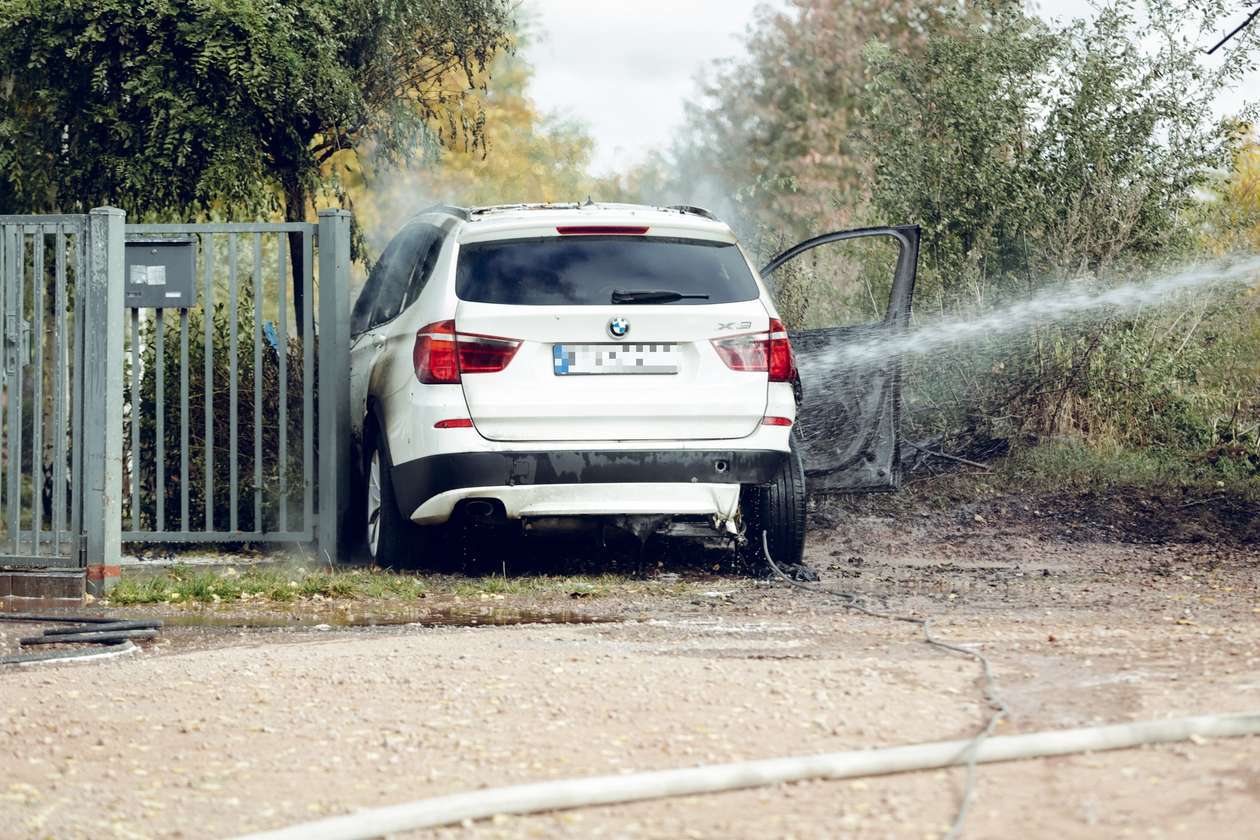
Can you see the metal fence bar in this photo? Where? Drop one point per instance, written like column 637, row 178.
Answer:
column 37, row 219
column 258, row 394
column 4, row 377
column 159, row 400
column 184, row 420
column 6, row 406
column 103, row 309
column 218, row 227
column 77, row 386
column 233, row 466
column 22, row 338
column 16, row 319
column 37, row 416
column 137, row 407
column 282, row 447
column 208, row 384
column 59, row 394
column 218, row 536
column 43, row 561
column 308, row 381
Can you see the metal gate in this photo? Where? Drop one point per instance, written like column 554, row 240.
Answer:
column 234, row 427
column 235, row 406
column 42, row 259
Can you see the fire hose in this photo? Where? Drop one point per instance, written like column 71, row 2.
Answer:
column 638, row 787
column 608, row 790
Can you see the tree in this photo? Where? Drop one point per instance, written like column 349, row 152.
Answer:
column 1032, row 154
column 1232, row 220
column 770, row 141
column 1027, row 149
column 173, row 108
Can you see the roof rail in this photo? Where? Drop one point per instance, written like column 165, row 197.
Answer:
column 692, row 211
column 536, row 205
column 448, row 209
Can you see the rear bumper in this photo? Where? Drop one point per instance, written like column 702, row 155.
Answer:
column 718, row 503
column 419, row 481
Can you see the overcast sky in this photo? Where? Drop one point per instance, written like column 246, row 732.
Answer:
column 626, row 68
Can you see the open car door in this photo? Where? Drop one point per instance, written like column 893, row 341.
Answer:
column 850, row 385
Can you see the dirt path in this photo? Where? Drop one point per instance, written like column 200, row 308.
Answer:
column 214, row 732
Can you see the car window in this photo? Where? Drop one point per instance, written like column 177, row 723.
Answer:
column 584, row 270
column 397, row 274
column 382, row 297
column 429, row 247
column 361, row 314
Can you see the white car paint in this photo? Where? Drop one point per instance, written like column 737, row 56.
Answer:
column 720, row 501
column 526, row 408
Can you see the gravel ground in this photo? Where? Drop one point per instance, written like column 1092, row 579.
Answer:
column 215, row 730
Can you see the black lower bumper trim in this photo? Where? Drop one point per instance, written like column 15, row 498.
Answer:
column 415, row 482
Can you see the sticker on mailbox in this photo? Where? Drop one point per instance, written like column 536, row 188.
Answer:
column 148, row 275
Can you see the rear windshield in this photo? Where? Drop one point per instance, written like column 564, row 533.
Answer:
column 584, row 270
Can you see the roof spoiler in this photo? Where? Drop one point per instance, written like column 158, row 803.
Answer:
column 691, row 210
column 448, row 210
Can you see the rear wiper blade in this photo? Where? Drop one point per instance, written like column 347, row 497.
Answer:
column 651, row 296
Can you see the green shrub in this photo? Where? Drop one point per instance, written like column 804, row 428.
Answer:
column 1182, row 380
column 141, row 465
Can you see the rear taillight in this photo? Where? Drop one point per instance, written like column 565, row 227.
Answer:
column 744, row 352
column 441, row 354
column 433, row 355
column 768, row 352
column 484, row 353
column 782, row 361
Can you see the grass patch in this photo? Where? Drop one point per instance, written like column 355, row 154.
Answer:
column 582, row 586
column 205, row 586
column 1073, row 469
column 1077, row 466
column 183, row 584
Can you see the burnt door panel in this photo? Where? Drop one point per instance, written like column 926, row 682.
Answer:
column 850, row 389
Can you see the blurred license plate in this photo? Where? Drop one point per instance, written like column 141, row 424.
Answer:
column 587, row 359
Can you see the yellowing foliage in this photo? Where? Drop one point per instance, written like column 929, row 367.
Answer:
column 528, row 156
column 1242, row 194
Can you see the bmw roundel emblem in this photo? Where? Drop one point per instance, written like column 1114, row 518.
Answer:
column 618, row 327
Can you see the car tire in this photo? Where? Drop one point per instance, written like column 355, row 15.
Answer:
column 777, row 509
column 391, row 540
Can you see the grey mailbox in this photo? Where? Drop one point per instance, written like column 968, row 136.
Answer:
column 161, row 273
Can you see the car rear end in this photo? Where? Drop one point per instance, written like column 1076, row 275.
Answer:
column 596, row 362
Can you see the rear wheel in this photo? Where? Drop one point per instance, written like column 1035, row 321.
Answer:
column 392, row 540
column 777, row 510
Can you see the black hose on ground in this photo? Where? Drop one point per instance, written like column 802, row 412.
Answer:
column 88, row 638
column 64, row 618
column 114, row 635
column 151, row 624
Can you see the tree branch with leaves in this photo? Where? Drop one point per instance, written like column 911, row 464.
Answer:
column 172, row 109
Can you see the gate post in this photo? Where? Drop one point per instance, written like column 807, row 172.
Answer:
column 102, row 331
column 333, row 386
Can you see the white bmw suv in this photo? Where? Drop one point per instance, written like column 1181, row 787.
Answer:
column 563, row 366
